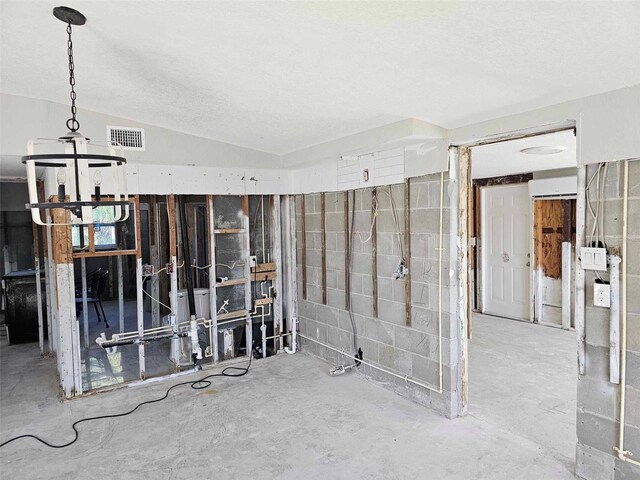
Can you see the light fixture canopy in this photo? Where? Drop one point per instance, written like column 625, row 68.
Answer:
column 78, row 165
column 543, row 150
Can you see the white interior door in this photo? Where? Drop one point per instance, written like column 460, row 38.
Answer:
column 505, row 244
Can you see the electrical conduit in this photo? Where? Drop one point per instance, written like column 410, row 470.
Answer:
column 622, row 453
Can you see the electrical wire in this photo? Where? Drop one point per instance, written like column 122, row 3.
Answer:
column 374, row 206
column 348, row 282
column 199, row 384
column 597, row 214
column 394, row 211
column 230, row 267
column 593, row 213
column 157, row 301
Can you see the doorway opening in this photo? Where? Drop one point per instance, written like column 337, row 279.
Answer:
column 522, row 223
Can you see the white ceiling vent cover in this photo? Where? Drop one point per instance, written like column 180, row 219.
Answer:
column 130, row 138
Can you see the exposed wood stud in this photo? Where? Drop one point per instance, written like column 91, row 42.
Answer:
column 374, row 253
column 104, row 253
column 50, row 287
column 213, row 302
column 154, row 259
column 264, row 267
column 92, row 238
column 66, row 330
column 579, row 273
column 567, row 220
column 407, row 250
column 120, row 293
column 139, row 300
column 36, row 260
column 464, row 183
column 173, row 247
column 505, row 180
column 347, row 249
column 323, row 241
column 85, row 305
column 303, row 228
column 247, row 273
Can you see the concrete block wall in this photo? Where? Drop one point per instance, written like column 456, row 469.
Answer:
column 385, row 340
column 598, row 414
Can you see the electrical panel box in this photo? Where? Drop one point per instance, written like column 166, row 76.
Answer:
column 593, row 258
column 601, row 295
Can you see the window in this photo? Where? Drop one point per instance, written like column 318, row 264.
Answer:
column 104, row 230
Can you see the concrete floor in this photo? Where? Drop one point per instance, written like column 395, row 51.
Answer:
column 287, row 419
column 523, row 378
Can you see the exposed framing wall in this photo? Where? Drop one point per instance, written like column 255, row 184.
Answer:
column 598, row 398
column 388, row 340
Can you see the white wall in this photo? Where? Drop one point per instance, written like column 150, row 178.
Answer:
column 608, row 125
column 424, row 147
column 172, row 162
column 608, row 129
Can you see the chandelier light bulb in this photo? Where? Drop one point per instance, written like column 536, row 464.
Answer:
column 97, row 180
column 62, row 176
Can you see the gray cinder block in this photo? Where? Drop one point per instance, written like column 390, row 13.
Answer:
column 592, row 464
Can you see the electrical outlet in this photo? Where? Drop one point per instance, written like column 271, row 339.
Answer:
column 253, row 261
column 601, row 295
column 593, row 258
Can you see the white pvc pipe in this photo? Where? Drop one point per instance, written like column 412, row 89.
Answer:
column 566, row 285
column 440, row 248
column 294, row 337
column 622, row 453
column 406, row 378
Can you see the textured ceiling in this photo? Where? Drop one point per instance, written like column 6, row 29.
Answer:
column 282, row 76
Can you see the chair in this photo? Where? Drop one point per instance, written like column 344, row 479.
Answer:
column 91, row 277
column 98, row 283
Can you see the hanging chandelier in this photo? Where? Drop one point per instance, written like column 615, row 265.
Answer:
column 78, row 167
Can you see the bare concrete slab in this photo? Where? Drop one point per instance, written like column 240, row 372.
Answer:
column 287, row 419
column 523, row 378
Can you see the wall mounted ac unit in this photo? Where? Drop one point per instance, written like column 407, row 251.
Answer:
column 548, row 187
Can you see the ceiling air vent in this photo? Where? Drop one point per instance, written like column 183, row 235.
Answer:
column 129, row 138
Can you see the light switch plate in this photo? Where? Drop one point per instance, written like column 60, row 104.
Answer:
column 601, row 295
column 593, row 258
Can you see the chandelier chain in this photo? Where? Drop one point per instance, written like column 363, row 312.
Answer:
column 72, row 123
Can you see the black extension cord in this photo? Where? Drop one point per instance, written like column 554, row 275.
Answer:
column 199, row 384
